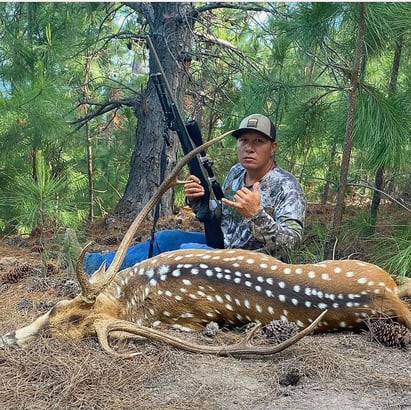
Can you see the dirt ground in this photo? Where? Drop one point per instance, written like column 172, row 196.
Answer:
column 330, row 371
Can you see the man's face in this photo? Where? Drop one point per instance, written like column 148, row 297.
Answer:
column 254, row 150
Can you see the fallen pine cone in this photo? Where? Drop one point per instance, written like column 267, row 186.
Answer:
column 17, row 273
column 386, row 331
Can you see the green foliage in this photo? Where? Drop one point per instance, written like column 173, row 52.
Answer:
column 394, row 252
column 40, row 203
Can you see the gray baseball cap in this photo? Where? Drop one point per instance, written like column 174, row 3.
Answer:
column 256, row 122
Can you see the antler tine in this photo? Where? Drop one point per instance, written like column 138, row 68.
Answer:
column 92, row 290
column 243, row 348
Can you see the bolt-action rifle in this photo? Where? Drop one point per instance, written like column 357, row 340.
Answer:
column 190, row 137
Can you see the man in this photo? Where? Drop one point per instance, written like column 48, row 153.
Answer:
column 263, row 208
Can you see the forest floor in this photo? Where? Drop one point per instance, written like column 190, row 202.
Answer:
column 328, row 371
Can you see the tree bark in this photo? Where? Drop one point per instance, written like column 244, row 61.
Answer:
column 171, row 34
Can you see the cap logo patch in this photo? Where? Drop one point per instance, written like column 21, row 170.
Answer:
column 252, row 122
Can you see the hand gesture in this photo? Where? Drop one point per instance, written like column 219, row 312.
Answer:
column 245, row 201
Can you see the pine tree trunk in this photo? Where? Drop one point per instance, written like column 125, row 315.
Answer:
column 171, row 36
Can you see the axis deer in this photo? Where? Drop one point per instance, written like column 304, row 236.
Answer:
column 186, row 289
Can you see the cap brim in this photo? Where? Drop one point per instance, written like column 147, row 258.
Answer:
column 240, row 131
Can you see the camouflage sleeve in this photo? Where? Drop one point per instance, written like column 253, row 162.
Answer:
column 284, row 232
column 282, row 225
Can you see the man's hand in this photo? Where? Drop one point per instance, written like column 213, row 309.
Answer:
column 245, row 201
column 193, row 189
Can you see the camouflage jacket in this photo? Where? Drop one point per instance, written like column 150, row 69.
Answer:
column 278, row 225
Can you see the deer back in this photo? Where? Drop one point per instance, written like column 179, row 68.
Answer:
column 189, row 288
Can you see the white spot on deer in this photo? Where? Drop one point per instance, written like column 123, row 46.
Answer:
column 258, row 288
column 361, row 264
column 250, row 261
column 209, row 273
column 176, row 273
column 185, row 266
column 183, row 290
column 307, row 303
column 260, row 279
column 263, row 266
column 283, row 318
column 217, row 269
column 187, row 282
column 237, row 302
column 258, row 308
column 178, row 297
column 238, row 316
column 325, row 276
column 159, row 292
column 361, row 281
column 186, row 315
column 192, row 296
column 281, row 298
column 337, row 270
column 247, row 275
column 322, row 305
column 163, row 269
column 237, row 280
column 219, row 299
column 294, row 301
column 342, row 324
column 156, row 323
column 311, row 274
column 206, row 257
column 299, row 323
column 182, row 328
column 377, row 291
column 166, row 313
column 201, row 293
column 238, row 273
column 281, row 284
column 228, row 307
column 203, row 266
column 296, row 288
column 270, row 310
column 210, row 298
column 178, row 258
column 153, row 282
column 298, row 271
column 236, row 265
column 335, row 305
column 210, row 314
column 268, row 293
column 168, row 293
column 247, row 303
column 248, row 283
column 219, row 275
column 227, row 277
column 152, row 313
column 287, row 271
column 274, row 267
column 228, row 297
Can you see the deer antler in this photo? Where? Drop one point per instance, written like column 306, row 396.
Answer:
column 90, row 290
column 244, row 347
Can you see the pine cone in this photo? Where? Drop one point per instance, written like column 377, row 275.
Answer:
column 279, row 330
column 386, row 331
column 51, row 269
column 109, row 240
column 17, row 273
